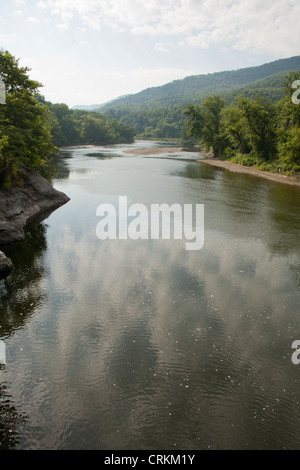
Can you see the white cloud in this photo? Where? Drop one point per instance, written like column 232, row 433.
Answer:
column 269, row 26
column 32, row 19
column 62, row 26
column 163, row 46
column 173, row 36
column 8, row 38
column 41, row 4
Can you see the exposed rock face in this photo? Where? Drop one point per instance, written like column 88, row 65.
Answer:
column 5, row 265
column 20, row 206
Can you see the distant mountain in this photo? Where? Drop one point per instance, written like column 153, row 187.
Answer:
column 91, row 107
column 95, row 107
column 196, row 88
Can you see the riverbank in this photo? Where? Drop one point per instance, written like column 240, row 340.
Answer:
column 235, row 167
column 154, row 150
column 20, row 206
column 225, row 164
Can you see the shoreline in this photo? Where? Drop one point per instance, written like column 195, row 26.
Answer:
column 153, row 150
column 21, row 206
column 237, row 168
column 224, row 164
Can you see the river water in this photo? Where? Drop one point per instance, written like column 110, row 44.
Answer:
column 141, row 344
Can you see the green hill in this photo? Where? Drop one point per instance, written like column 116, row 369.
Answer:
column 198, row 87
column 157, row 112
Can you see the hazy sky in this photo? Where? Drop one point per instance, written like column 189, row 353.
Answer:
column 91, row 51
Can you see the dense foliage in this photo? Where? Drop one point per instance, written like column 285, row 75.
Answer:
column 158, row 113
column 74, row 127
column 252, row 131
column 25, row 127
column 31, row 129
column 166, row 122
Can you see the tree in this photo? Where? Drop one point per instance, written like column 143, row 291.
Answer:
column 195, row 123
column 14, row 77
column 289, row 126
column 260, row 127
column 94, row 131
column 234, row 129
column 205, row 123
column 25, row 127
column 211, row 133
column 289, row 153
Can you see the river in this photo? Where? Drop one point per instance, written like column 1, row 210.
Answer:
column 142, row 344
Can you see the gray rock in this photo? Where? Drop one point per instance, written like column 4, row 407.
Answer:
column 34, row 201
column 5, row 265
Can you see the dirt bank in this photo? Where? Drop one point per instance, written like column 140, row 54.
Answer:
column 235, row 167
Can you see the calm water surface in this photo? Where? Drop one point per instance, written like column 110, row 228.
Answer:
column 123, row 344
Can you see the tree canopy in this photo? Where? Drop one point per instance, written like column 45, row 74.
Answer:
column 252, row 131
column 77, row 127
column 25, row 128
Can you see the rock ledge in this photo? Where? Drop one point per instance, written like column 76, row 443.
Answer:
column 34, row 201
column 5, row 265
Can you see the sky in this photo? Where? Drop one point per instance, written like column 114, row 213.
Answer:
column 91, row 51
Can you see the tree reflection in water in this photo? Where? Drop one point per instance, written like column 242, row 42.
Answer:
column 20, row 294
column 10, row 420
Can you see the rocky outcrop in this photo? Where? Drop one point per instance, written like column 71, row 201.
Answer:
column 20, row 206
column 5, row 265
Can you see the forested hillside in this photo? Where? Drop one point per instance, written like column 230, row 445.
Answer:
column 159, row 112
column 198, row 87
column 74, row 127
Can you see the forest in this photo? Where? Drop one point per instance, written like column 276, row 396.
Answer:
column 161, row 120
column 251, row 131
column 32, row 129
column 76, row 127
column 158, row 112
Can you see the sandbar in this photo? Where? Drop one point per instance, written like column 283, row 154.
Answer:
column 154, row 150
